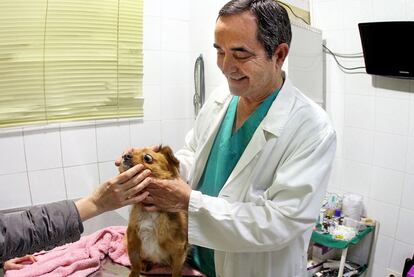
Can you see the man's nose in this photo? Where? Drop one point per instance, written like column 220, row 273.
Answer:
column 228, row 64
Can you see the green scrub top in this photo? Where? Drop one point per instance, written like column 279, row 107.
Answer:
column 225, row 153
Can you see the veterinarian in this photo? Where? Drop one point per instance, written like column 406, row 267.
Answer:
column 258, row 158
column 46, row 226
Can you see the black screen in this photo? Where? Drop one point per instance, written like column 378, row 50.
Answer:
column 388, row 48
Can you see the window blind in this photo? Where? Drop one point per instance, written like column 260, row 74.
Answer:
column 68, row 60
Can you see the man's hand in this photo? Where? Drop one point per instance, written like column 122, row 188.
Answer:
column 166, row 195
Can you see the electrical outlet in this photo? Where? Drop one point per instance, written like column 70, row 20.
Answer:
column 393, row 273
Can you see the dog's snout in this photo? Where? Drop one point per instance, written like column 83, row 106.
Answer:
column 127, row 157
column 127, row 160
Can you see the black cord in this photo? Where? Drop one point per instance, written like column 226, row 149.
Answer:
column 286, row 5
column 340, row 65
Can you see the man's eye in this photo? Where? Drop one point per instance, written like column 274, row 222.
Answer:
column 148, row 158
column 242, row 55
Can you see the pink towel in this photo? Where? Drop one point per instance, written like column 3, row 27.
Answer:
column 80, row 258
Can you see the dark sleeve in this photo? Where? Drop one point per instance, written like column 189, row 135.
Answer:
column 39, row 228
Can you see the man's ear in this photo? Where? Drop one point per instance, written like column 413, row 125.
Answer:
column 173, row 162
column 281, row 53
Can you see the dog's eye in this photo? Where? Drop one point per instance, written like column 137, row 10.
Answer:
column 148, row 158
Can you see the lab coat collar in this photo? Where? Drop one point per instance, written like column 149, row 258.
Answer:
column 278, row 114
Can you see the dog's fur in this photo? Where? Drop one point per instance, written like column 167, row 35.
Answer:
column 156, row 237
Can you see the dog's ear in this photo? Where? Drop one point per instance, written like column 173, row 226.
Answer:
column 173, row 162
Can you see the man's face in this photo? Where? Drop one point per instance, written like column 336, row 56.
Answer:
column 242, row 59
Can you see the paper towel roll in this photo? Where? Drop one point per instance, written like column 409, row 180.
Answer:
column 353, row 205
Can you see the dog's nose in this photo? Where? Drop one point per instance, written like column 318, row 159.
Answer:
column 127, row 161
column 127, row 157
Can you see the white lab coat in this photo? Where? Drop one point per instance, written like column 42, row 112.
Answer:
column 260, row 224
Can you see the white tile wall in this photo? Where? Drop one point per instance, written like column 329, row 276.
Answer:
column 16, row 161
column 152, row 107
column 145, row 133
column 78, row 146
column 153, row 8
column 392, row 115
column 175, row 34
column 335, row 107
column 359, row 111
column 358, row 144
column 410, row 156
column 358, row 179
column 377, row 126
column 152, row 33
column 355, row 11
column 387, row 215
column 176, row 9
column 177, row 68
column 328, row 15
column 15, row 190
column 383, row 254
column 81, row 180
column 400, row 252
column 411, row 119
column 405, row 226
column 173, row 132
column 43, row 149
column 390, row 151
column 408, row 192
column 359, row 84
column 392, row 12
column 107, row 170
column 387, row 185
column 173, row 97
column 152, row 67
column 409, row 10
column 47, row 185
column 336, row 179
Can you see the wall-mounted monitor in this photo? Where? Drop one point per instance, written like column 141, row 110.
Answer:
column 388, row 48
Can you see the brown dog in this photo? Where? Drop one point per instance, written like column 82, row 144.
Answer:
column 156, row 237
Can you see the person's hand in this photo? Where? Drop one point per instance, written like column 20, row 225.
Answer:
column 129, row 150
column 166, row 195
column 18, row 263
column 115, row 193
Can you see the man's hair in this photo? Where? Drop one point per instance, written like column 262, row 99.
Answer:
column 273, row 24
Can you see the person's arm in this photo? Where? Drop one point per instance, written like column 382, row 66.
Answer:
column 46, row 226
column 40, row 227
